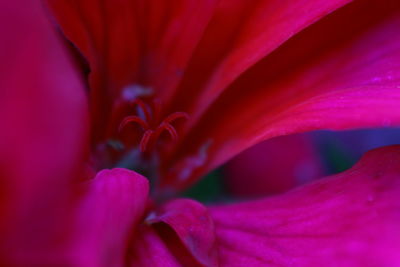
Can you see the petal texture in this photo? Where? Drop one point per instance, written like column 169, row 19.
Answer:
column 240, row 34
column 43, row 137
column 342, row 72
column 113, row 206
column 179, row 233
column 149, row 250
column 193, row 225
column 350, row 219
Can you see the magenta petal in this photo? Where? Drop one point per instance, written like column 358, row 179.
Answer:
column 149, row 250
column 114, row 204
column 43, row 121
column 42, row 104
column 350, row 219
column 193, row 225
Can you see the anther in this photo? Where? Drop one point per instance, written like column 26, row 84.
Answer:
column 166, row 127
column 143, row 107
column 151, row 125
column 175, row 116
column 145, row 141
column 130, row 119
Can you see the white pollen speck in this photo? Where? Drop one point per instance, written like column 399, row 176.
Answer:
column 151, row 217
column 195, row 161
column 134, row 91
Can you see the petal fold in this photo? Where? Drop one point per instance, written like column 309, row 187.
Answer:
column 150, row 250
column 193, row 225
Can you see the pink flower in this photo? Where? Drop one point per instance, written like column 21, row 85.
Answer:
column 200, row 81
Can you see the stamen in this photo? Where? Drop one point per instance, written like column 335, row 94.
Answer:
column 156, row 107
column 143, row 107
column 171, row 131
column 166, row 127
column 136, row 119
column 151, row 124
column 175, row 116
column 144, row 143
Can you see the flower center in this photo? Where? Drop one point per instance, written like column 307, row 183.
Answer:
column 148, row 118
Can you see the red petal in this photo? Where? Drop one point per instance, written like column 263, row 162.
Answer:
column 240, row 34
column 350, row 219
column 342, row 72
column 43, row 120
column 289, row 161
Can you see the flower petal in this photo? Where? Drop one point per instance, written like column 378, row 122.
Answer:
column 239, row 35
column 340, row 73
column 113, row 206
column 289, row 161
column 150, row 250
column 350, row 219
column 192, row 224
column 43, row 118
